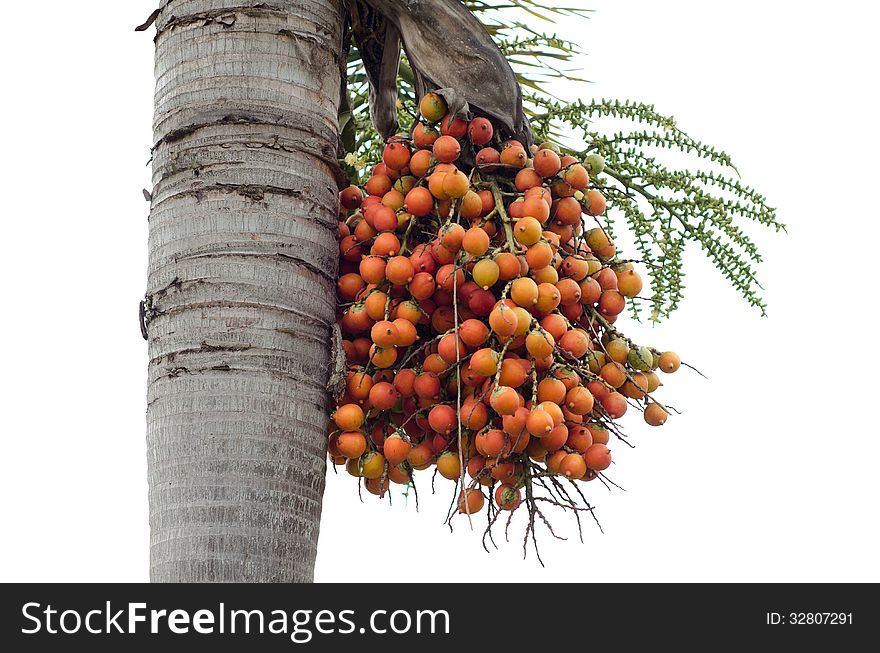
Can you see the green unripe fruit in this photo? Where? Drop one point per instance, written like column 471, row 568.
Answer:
column 549, row 146
column 595, row 164
column 641, row 359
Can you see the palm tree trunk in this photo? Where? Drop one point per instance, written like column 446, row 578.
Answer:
column 240, row 303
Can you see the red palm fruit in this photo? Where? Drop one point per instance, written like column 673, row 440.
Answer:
column 442, row 418
column 537, row 208
column 474, row 415
column 475, row 466
column 507, row 497
column 655, row 414
column 591, row 291
column 629, row 283
column 372, row 269
column 397, row 474
column 556, row 438
column 383, row 358
column 491, row 443
column 408, row 311
column 599, row 390
column 433, row 107
column 399, row 270
column 384, row 334
column 524, row 292
column 419, row 201
column 539, row 256
column 441, row 255
column 406, row 332
column 513, row 375
column 422, row 260
column 579, row 438
column 577, row 177
column 456, row 184
column 569, row 292
column 351, row 444
column 383, row 396
column 475, row 241
column 435, row 185
column 395, row 449
column 451, row 236
column 446, row 149
column 555, row 325
column 550, row 389
column 548, row 298
column 355, row 320
column 554, row 410
column 614, row 374
column 504, row 400
column 435, row 363
column 503, row 321
column 449, row 466
column 598, row 457
column 508, row 266
column 514, row 156
column 378, row 185
column 420, row 455
column 606, row 278
column 442, row 319
column 670, row 362
column 351, row 198
column 527, row 231
column 546, row 163
column 358, row 385
column 385, row 244
column 597, row 202
column 573, row 466
column 404, row 382
column 363, row 231
column 579, row 401
column 473, row 332
column 539, row 343
column 471, row 501
column 427, row 385
column 362, row 348
column 611, row 303
column 471, row 206
column 615, row 405
column 422, row 285
column 516, row 210
column 599, row 433
column 481, row 302
column 567, row 211
column 348, row 286
column 424, row 136
column 421, row 162
column 554, row 460
column 449, row 277
column 349, row 417
column 452, row 348
column 515, row 425
column 395, row 155
column 576, row 342
column 527, row 178
column 453, row 126
column 485, row 361
column 539, row 422
column 487, row 159
column 480, row 131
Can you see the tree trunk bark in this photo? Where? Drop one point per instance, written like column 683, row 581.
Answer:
column 241, row 289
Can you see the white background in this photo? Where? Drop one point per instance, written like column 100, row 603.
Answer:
column 770, row 474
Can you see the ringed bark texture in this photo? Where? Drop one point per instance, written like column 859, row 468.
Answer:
column 241, row 292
